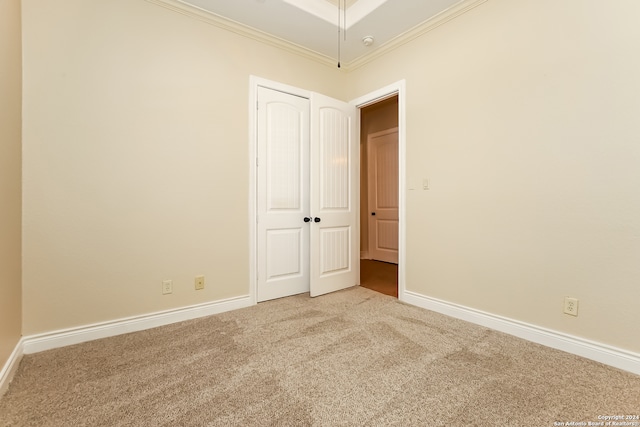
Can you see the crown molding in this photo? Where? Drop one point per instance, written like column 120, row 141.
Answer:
column 263, row 37
column 241, row 29
column 415, row 32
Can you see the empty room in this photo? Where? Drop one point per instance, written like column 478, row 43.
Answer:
column 187, row 193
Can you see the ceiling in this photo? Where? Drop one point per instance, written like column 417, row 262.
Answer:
column 313, row 24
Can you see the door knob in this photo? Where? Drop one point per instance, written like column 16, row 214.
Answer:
column 316, row 219
column 373, row 214
column 307, row 219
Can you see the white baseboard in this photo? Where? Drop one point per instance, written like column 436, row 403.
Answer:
column 612, row 356
column 602, row 353
column 10, row 367
column 61, row 338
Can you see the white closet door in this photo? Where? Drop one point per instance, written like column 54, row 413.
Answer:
column 335, row 234
column 282, row 194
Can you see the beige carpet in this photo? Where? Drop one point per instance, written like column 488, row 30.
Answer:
column 352, row 358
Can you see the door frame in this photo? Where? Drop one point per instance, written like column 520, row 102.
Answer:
column 398, row 88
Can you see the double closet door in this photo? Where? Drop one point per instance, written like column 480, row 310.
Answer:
column 307, row 195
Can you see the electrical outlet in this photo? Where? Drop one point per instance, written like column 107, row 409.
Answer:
column 571, row 306
column 167, row 287
column 199, row 282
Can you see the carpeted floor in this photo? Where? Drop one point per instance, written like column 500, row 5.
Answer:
column 351, row 358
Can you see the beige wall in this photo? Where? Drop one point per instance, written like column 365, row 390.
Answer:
column 524, row 116
column 10, row 177
column 136, row 157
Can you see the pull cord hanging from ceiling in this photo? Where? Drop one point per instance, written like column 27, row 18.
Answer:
column 342, row 6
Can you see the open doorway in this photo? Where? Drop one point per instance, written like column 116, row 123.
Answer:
column 379, row 196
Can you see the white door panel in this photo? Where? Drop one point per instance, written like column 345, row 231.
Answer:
column 334, row 196
column 282, row 193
